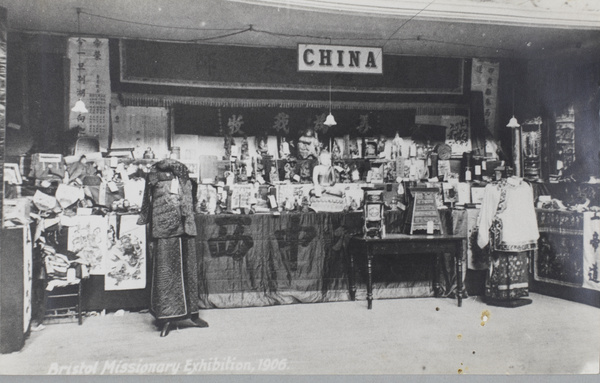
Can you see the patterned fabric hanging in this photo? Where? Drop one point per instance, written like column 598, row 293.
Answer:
column 591, row 250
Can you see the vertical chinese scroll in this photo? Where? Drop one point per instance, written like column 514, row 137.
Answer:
column 484, row 78
column 3, row 29
column 90, row 82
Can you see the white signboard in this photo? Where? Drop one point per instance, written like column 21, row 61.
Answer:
column 339, row 59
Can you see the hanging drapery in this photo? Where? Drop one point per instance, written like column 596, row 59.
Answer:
column 164, row 100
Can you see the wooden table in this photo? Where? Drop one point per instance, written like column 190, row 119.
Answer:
column 402, row 244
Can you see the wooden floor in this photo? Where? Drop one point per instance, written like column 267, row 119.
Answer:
column 402, row 336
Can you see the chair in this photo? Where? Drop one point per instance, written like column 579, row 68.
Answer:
column 64, row 294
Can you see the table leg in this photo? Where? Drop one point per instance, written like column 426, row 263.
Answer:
column 352, row 276
column 79, row 316
column 369, row 278
column 436, row 274
column 462, row 245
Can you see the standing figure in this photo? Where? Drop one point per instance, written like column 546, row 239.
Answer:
column 397, row 143
column 168, row 207
column 508, row 228
column 284, row 149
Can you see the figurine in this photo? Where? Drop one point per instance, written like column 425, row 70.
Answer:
column 203, row 207
column 287, row 172
column 288, row 205
column 305, row 173
column 345, row 173
column 149, row 154
column 308, row 145
column 353, row 149
column 323, row 174
column 284, row 149
column 381, row 146
column 305, row 205
column 242, row 175
column 336, row 152
column 274, row 174
column 261, row 146
column 397, row 146
column 245, row 155
column 354, row 173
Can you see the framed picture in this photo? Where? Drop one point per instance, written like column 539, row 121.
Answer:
column 193, row 167
column 370, row 148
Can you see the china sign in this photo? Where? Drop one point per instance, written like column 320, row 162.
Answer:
column 339, row 59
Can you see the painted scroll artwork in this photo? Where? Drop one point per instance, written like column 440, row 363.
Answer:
column 87, row 238
column 126, row 260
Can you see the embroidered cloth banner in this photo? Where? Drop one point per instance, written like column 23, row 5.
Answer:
column 591, row 250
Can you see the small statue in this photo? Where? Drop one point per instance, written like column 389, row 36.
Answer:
column 354, row 173
column 242, row 176
column 288, row 205
column 305, row 205
column 305, row 171
column 388, row 173
column 397, row 146
column 323, row 173
column 218, row 206
column 274, row 174
column 284, row 149
column 308, row 145
column 345, row 173
column 353, row 149
column 203, row 207
column 336, row 152
column 381, row 146
column 149, row 154
column 261, row 146
column 245, row 155
column 287, row 172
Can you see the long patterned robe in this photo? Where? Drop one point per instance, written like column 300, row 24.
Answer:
column 508, row 225
column 168, row 207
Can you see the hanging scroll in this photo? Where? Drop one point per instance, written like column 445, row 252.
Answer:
column 565, row 140
column 3, row 29
column 484, row 78
column 90, row 82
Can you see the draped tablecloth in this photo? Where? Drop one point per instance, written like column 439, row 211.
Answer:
column 559, row 258
column 262, row 260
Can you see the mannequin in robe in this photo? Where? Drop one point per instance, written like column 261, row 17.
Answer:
column 167, row 207
column 507, row 227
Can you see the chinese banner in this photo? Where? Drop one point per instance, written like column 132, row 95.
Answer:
column 484, row 78
column 591, row 250
column 90, row 82
column 3, row 36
